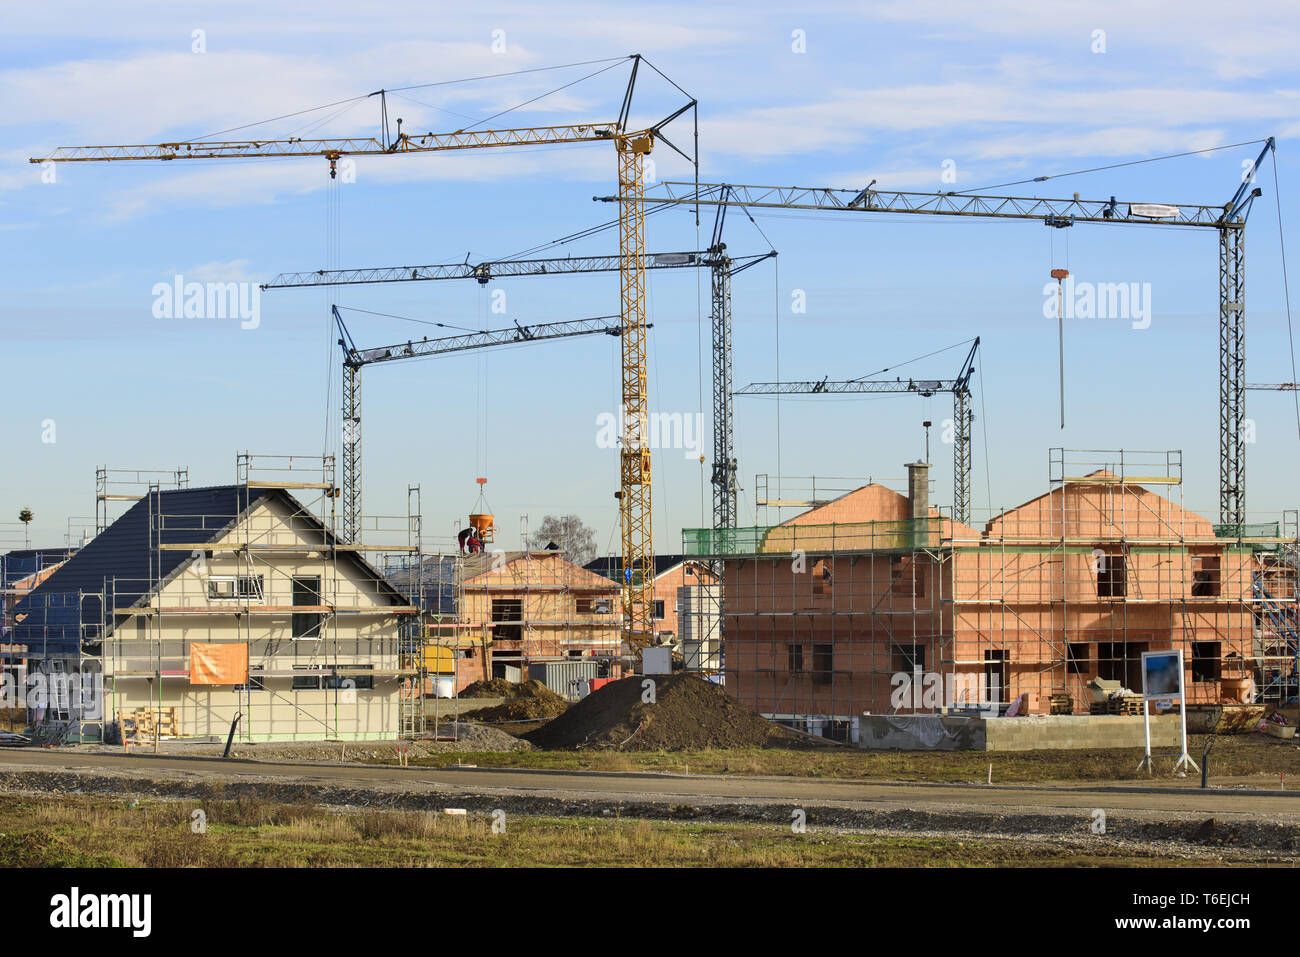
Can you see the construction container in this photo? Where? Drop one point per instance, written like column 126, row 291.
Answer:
column 1223, row 718
column 1237, row 690
column 565, row 678
column 511, row 673
column 482, row 521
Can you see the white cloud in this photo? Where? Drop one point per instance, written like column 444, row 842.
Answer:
column 235, row 270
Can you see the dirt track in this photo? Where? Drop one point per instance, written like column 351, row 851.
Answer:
column 1262, row 824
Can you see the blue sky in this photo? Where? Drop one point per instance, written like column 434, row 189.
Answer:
column 1002, row 91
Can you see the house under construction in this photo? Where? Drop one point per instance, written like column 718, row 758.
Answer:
column 515, row 615
column 822, row 613
column 233, row 609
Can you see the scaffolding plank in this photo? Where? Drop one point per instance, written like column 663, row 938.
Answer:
column 302, row 485
column 234, row 609
column 251, row 547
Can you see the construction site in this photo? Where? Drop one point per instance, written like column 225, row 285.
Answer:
column 312, row 619
column 861, row 630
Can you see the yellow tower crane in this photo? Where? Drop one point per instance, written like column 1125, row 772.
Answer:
column 632, row 148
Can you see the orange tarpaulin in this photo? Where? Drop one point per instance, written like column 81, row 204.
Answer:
column 225, row 664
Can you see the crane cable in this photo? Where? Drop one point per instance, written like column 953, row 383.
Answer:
column 1286, row 289
column 984, row 434
column 699, row 365
column 419, row 86
column 1098, row 169
column 899, row 365
column 776, row 320
column 333, row 228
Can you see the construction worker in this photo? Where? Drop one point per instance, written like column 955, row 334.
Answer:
column 468, row 539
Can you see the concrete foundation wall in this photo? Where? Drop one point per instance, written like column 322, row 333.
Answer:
column 1079, row 731
column 932, row 732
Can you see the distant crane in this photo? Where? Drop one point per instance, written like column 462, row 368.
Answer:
column 355, row 359
column 722, row 268
column 631, row 147
column 961, row 412
column 1228, row 219
column 485, row 272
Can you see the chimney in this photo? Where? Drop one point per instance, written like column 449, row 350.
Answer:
column 918, row 501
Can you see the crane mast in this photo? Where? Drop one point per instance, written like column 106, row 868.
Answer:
column 631, row 148
column 961, row 412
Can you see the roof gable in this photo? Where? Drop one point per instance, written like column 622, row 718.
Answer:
column 611, row 566
column 1095, row 509
column 544, row 565
column 872, row 503
column 125, row 552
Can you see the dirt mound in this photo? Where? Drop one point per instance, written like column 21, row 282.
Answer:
column 500, row 688
column 496, row 688
column 688, row 713
column 528, row 700
column 519, row 709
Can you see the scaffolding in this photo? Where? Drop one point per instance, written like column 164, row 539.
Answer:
column 915, row 612
column 328, row 643
column 432, row 641
column 129, row 485
column 52, row 661
column 533, row 606
column 41, row 641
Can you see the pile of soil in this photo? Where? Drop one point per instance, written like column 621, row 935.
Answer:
column 500, row 688
column 519, row 709
column 529, row 700
column 496, row 688
column 688, row 713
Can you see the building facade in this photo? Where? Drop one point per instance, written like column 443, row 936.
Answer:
column 877, row 603
column 202, row 610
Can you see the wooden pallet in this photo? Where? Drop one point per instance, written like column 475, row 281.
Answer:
column 1126, row 705
column 144, row 724
column 133, row 731
column 164, row 720
column 1060, row 703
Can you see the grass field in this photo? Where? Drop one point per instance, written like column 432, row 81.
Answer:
column 1233, row 756
column 82, row 831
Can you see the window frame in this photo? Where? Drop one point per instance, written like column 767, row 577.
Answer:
column 298, row 618
column 1198, row 662
column 256, row 680
column 823, row 654
column 239, row 591
column 1112, row 576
